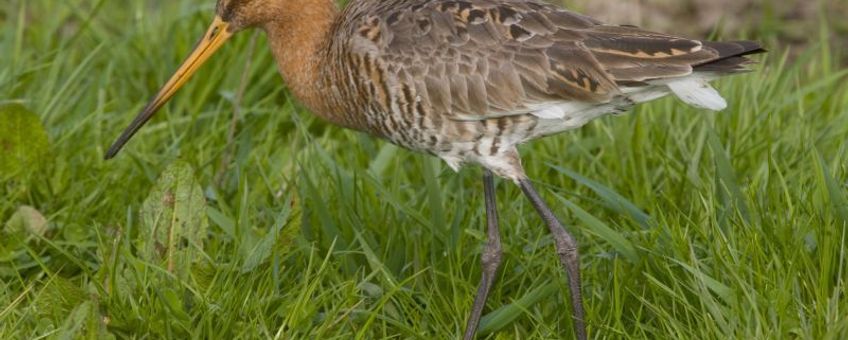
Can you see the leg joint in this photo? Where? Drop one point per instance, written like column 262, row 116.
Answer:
column 493, row 255
column 571, row 252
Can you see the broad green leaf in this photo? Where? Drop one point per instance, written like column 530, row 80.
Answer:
column 27, row 219
column 23, row 141
column 174, row 220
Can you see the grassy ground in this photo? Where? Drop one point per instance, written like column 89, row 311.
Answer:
column 692, row 224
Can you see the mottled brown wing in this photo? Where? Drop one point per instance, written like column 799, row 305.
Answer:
column 479, row 59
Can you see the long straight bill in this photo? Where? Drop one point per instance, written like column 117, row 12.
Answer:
column 217, row 34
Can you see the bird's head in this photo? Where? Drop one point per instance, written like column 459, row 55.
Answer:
column 241, row 14
column 231, row 16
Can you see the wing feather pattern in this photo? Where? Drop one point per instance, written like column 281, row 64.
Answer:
column 478, row 59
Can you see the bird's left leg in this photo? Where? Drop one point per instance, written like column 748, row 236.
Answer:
column 491, row 256
column 566, row 248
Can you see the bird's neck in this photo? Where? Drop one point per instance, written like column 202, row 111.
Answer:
column 297, row 36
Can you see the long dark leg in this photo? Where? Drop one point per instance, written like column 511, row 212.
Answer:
column 491, row 256
column 566, row 248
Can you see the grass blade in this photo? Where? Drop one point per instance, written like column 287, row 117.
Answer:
column 727, row 187
column 506, row 315
column 613, row 200
column 598, row 227
column 838, row 201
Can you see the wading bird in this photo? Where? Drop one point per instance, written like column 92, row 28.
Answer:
column 468, row 81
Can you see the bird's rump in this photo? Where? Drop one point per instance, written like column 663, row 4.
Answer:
column 482, row 59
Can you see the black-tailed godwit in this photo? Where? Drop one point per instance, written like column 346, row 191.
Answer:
column 468, row 81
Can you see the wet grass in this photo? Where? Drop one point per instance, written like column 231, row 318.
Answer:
column 691, row 224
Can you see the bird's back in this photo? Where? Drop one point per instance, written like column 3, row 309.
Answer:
column 467, row 71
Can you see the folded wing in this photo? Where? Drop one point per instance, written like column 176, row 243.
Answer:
column 479, row 59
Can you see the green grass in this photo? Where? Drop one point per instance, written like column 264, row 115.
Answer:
column 692, row 225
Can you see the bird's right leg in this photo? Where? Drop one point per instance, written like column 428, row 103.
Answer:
column 491, row 256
